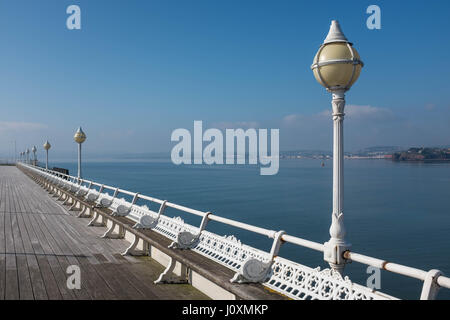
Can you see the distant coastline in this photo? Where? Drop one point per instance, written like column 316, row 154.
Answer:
column 397, row 154
column 379, row 152
column 423, row 155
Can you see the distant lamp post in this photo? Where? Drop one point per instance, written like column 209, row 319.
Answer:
column 34, row 149
column 47, row 147
column 337, row 66
column 79, row 138
column 28, row 155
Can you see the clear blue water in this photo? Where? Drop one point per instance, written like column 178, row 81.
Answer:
column 394, row 211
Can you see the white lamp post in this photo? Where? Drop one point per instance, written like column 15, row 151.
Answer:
column 337, row 66
column 47, row 147
column 28, row 155
column 34, row 149
column 79, row 138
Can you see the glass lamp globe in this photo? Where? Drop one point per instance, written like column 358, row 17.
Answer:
column 47, row 145
column 337, row 64
column 79, row 136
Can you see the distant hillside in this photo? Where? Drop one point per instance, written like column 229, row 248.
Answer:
column 423, row 154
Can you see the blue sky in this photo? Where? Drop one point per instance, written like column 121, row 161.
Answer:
column 137, row 70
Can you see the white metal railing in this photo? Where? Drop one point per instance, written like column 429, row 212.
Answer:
column 292, row 279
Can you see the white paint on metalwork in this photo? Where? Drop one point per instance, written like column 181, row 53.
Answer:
column 253, row 270
column 430, row 287
column 189, row 240
column 256, row 270
column 301, row 282
column 168, row 276
column 335, row 247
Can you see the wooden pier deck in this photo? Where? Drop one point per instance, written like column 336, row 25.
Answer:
column 39, row 239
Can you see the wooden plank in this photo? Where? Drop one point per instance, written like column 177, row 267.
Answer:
column 57, row 263
column 93, row 283
column 2, row 239
column 25, row 288
column 124, row 287
column 37, row 281
column 11, row 284
column 2, row 256
column 50, row 282
column 24, row 280
column 66, row 258
column 148, row 270
column 113, row 274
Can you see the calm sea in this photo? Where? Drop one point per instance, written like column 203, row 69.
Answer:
column 399, row 212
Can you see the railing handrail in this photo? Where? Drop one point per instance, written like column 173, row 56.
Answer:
column 419, row 274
